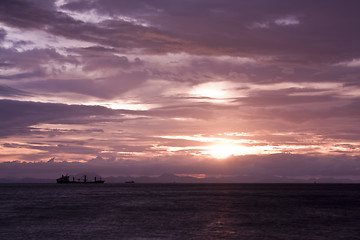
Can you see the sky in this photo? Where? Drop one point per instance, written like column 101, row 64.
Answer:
column 202, row 88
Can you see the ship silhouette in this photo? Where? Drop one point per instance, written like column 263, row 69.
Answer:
column 66, row 180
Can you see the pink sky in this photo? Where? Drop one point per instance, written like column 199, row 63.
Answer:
column 202, row 88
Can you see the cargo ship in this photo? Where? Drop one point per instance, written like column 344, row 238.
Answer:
column 66, row 179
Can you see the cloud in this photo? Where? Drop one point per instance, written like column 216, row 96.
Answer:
column 353, row 63
column 281, row 21
column 287, row 21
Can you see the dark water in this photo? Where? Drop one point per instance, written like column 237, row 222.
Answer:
column 180, row 211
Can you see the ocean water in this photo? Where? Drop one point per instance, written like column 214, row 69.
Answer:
column 180, row 211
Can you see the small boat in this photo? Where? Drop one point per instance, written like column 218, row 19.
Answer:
column 129, row 182
column 66, row 179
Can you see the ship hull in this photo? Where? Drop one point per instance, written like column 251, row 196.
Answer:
column 65, row 179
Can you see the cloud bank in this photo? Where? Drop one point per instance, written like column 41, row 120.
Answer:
column 164, row 85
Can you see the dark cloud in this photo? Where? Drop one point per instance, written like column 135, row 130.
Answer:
column 197, row 111
column 7, row 91
column 290, row 165
column 59, row 148
column 325, row 32
column 303, row 114
column 97, row 58
column 19, row 76
column 274, row 98
column 2, row 34
column 33, row 15
column 120, row 34
column 31, row 61
column 17, row 116
column 321, row 31
column 109, row 87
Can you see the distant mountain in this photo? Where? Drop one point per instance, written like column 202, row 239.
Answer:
column 26, row 180
column 172, row 178
column 164, row 178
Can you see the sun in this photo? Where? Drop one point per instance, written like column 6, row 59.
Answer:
column 222, row 151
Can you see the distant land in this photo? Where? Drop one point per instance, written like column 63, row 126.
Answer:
column 172, row 178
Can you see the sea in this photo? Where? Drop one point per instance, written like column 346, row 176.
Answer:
column 180, row 211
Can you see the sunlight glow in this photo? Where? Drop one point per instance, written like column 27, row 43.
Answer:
column 211, row 90
column 221, row 151
column 227, row 144
column 194, row 175
column 220, row 147
column 220, row 89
